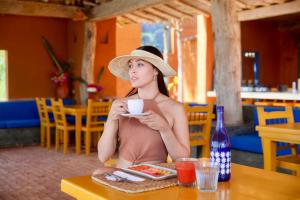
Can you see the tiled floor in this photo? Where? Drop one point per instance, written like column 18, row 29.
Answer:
column 35, row 173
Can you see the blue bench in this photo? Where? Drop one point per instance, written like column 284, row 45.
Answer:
column 251, row 142
column 21, row 113
column 19, row 122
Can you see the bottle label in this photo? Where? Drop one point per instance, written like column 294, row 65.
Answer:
column 223, row 157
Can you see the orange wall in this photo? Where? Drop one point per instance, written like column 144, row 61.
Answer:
column 191, row 62
column 278, row 52
column 75, row 49
column 261, row 36
column 124, row 45
column 29, row 65
column 105, row 51
column 288, row 57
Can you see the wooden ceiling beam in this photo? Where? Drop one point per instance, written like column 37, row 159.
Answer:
column 119, row 7
column 292, row 7
column 166, row 12
column 174, row 11
column 274, row 1
column 133, row 18
column 203, row 5
column 205, row 2
column 164, row 16
column 28, row 8
column 121, row 21
column 186, row 6
column 129, row 19
column 153, row 16
column 241, row 5
column 137, row 18
column 150, row 18
column 254, row 3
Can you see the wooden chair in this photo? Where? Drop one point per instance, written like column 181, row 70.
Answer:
column 291, row 162
column 96, row 111
column 62, row 127
column 263, row 102
column 199, row 120
column 283, row 103
column 247, row 101
column 45, row 123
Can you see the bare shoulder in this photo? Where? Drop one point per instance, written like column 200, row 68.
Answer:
column 172, row 106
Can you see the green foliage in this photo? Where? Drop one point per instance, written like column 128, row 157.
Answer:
column 63, row 67
column 100, row 73
column 2, row 75
column 52, row 54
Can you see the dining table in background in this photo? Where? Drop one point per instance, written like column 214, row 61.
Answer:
column 78, row 111
column 246, row 183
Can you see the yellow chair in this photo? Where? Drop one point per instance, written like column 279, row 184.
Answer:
column 94, row 123
column 263, row 103
column 200, row 117
column 283, row 103
column 296, row 103
column 62, row 126
column 291, row 162
column 45, row 123
column 247, row 101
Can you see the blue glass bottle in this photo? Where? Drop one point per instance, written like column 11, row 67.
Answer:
column 220, row 147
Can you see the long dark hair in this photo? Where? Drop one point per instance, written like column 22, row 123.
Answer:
column 160, row 77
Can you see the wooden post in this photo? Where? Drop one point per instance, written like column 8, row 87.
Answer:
column 166, row 47
column 179, row 58
column 227, row 47
column 87, row 70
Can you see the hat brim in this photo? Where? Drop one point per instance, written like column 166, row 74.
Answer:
column 119, row 66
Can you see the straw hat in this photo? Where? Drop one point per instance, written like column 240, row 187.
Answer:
column 119, row 65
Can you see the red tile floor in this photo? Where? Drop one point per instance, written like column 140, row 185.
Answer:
column 33, row 173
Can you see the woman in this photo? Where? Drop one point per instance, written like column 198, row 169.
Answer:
column 149, row 138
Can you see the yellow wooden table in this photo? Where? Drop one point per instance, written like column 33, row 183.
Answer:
column 273, row 133
column 246, row 183
column 78, row 111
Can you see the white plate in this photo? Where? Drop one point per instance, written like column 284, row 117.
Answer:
column 172, row 173
column 134, row 115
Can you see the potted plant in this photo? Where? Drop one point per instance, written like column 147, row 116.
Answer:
column 94, row 89
column 62, row 77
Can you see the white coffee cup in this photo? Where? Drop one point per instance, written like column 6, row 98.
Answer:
column 135, row 106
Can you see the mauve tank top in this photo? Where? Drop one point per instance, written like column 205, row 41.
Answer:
column 138, row 142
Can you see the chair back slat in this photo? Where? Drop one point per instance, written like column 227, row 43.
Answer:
column 199, row 121
column 97, row 113
column 58, row 112
column 42, row 109
column 275, row 117
column 281, row 117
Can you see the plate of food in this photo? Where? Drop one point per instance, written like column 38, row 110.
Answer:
column 151, row 171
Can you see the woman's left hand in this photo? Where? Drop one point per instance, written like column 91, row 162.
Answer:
column 154, row 121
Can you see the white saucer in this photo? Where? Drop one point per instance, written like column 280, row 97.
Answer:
column 134, row 115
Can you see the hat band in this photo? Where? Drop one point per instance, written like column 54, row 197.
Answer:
column 143, row 53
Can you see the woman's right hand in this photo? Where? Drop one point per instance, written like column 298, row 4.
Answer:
column 118, row 107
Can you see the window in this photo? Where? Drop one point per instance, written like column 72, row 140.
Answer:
column 3, row 75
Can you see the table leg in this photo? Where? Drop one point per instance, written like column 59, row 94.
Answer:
column 78, row 132
column 269, row 153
